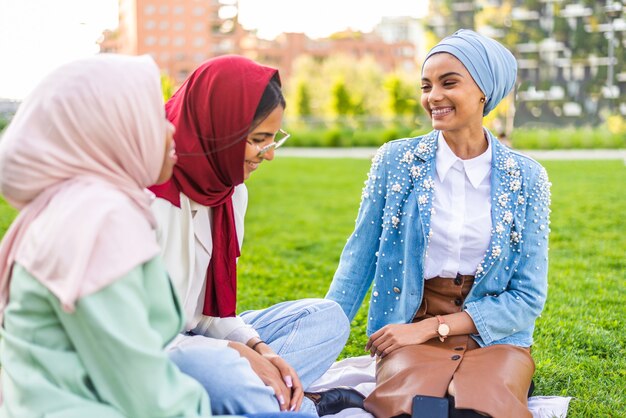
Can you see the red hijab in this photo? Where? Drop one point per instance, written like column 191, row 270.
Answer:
column 213, row 111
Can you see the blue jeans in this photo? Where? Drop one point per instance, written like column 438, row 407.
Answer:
column 308, row 333
column 280, row 415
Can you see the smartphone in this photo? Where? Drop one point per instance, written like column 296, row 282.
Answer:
column 429, row 407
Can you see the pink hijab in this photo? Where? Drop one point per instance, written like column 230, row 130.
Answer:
column 75, row 161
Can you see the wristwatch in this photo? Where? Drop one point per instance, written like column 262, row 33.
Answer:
column 443, row 329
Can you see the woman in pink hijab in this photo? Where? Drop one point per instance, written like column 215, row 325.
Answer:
column 85, row 301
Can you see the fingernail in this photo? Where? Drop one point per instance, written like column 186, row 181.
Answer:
column 288, row 381
column 281, row 399
column 293, row 408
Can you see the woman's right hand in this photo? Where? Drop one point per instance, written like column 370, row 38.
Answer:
column 269, row 374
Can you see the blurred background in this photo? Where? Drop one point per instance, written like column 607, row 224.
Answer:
column 351, row 69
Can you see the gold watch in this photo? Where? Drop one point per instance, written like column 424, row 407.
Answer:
column 443, row 329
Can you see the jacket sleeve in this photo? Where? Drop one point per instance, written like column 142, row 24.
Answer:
column 357, row 264
column 113, row 333
column 518, row 307
column 225, row 329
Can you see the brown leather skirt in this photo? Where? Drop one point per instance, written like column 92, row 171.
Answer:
column 492, row 380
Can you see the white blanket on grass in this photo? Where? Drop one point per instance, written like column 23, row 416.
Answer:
column 358, row 373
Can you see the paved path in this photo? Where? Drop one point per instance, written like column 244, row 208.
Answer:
column 596, row 154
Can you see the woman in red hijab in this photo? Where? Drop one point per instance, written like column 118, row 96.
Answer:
column 228, row 115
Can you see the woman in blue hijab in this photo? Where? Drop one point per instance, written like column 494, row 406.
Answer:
column 452, row 237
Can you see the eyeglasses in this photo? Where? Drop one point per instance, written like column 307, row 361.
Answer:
column 280, row 138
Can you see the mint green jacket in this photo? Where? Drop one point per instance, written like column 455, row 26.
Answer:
column 105, row 359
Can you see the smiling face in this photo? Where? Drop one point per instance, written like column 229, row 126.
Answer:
column 262, row 135
column 450, row 95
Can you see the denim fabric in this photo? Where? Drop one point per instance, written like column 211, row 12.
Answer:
column 392, row 230
column 281, row 415
column 309, row 334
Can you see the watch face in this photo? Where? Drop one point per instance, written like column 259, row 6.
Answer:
column 443, row 329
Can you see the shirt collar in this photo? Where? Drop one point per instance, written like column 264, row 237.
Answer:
column 476, row 168
column 445, row 158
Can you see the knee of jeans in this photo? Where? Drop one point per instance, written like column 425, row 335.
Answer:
column 205, row 363
column 329, row 314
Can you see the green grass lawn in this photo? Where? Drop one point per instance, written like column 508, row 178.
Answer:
column 302, row 210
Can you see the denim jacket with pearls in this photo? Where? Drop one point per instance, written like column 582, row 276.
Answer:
column 392, row 233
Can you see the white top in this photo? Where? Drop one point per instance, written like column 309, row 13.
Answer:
column 461, row 222
column 184, row 235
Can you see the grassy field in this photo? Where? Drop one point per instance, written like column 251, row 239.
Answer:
column 302, row 210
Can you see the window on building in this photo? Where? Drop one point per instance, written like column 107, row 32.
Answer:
column 150, row 24
column 150, row 40
column 164, row 10
column 227, row 12
column 178, row 26
column 198, row 11
column 225, row 45
column 179, row 41
column 164, row 40
column 199, row 41
column 179, row 10
column 149, row 9
column 164, row 25
column 198, row 26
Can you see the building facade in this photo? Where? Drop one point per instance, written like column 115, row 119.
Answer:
column 282, row 51
column 571, row 53
column 180, row 34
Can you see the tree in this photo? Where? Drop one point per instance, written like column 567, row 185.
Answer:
column 167, row 86
column 303, row 99
column 341, row 102
column 362, row 80
column 397, row 100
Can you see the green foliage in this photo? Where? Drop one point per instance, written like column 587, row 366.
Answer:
column 344, row 136
column 582, row 138
column 167, row 86
column 340, row 100
column 302, row 210
column 303, row 100
column 402, row 97
column 616, row 125
column 613, row 136
column 340, row 86
column 7, row 214
column 337, row 85
column 579, row 40
column 3, row 123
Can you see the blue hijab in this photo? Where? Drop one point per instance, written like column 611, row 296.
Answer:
column 490, row 64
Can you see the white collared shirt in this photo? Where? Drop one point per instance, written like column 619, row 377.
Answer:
column 461, row 222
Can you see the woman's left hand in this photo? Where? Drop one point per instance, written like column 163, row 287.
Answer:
column 290, row 377
column 394, row 336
